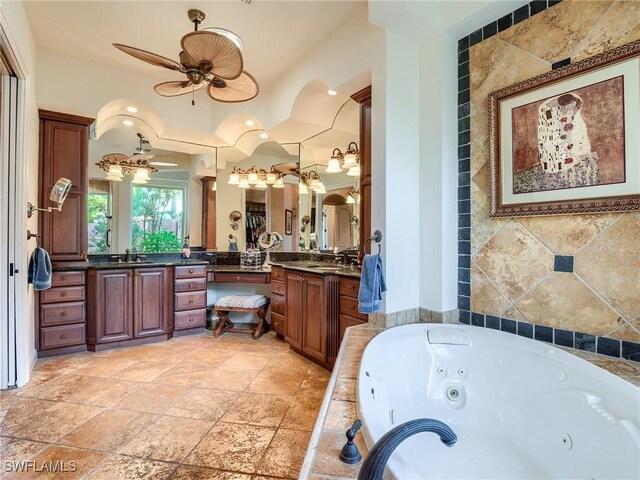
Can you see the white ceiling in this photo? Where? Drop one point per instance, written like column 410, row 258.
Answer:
column 276, row 34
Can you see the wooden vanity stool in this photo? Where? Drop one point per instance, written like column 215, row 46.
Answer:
column 258, row 304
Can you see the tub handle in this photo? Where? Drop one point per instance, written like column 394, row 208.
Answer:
column 350, row 453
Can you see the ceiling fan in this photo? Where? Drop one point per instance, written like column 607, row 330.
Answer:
column 211, row 58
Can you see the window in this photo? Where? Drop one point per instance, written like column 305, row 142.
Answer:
column 99, row 206
column 157, row 218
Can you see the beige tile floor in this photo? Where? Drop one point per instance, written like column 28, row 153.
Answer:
column 194, row 407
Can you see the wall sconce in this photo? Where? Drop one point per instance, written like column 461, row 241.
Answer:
column 349, row 160
column 58, row 195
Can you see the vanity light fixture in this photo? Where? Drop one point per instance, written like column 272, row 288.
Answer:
column 244, row 183
column 279, row 183
column 349, row 160
column 261, row 184
column 234, row 178
column 302, row 188
column 256, row 177
column 335, row 162
column 132, row 109
column 331, row 92
column 127, row 123
column 117, row 164
column 350, row 199
column 353, row 196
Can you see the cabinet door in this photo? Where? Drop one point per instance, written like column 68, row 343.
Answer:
column 64, row 150
column 113, row 306
column 150, row 299
column 314, row 333
column 294, row 310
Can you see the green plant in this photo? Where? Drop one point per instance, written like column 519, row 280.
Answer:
column 162, row 241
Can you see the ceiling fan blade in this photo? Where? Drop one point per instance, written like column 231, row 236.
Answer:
column 173, row 89
column 241, row 89
column 152, row 58
column 211, row 47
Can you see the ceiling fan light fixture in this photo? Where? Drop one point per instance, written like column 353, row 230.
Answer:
column 228, row 34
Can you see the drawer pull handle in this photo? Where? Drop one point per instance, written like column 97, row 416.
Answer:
column 191, row 285
column 63, row 314
column 63, row 294
column 63, row 277
column 191, row 270
column 63, row 336
column 191, row 320
column 191, row 301
column 238, row 278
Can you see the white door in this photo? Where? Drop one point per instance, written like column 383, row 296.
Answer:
column 10, row 268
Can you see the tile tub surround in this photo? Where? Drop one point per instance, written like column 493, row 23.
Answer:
column 578, row 275
column 197, row 407
column 338, row 410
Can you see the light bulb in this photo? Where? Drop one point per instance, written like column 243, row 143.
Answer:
column 253, row 178
column 354, row 171
column 349, row 160
column 234, row 179
column 333, row 166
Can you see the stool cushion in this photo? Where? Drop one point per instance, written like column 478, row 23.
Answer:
column 241, row 301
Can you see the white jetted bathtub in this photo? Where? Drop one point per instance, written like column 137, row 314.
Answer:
column 521, row 409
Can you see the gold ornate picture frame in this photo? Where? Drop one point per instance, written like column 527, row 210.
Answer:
column 568, row 141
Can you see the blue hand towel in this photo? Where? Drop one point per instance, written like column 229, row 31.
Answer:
column 371, row 284
column 40, row 269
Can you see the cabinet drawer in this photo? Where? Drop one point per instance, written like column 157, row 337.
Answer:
column 241, row 277
column 190, row 284
column 191, row 271
column 278, row 288
column 190, row 301
column 190, row 319
column 63, row 336
column 62, row 313
column 277, row 274
column 277, row 323
column 277, row 304
column 62, row 294
column 349, row 287
column 65, row 279
column 349, row 306
column 346, row 321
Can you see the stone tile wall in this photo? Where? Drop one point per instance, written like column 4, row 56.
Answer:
column 576, row 277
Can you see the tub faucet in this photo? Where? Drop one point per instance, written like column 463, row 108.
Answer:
column 373, row 465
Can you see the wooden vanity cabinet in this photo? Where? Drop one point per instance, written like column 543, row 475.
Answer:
column 349, row 314
column 311, row 313
column 129, row 304
column 278, row 301
column 190, row 298
column 62, row 315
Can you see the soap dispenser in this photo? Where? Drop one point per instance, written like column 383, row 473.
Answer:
column 186, row 251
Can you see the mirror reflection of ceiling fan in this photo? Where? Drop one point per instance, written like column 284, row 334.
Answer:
column 210, row 58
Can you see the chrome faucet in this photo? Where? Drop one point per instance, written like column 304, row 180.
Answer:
column 127, row 255
column 373, row 465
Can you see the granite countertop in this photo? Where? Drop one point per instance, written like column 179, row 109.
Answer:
column 320, row 268
column 122, row 265
column 338, row 410
column 236, row 269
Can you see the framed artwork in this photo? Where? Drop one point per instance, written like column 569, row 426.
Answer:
column 568, row 141
column 288, row 222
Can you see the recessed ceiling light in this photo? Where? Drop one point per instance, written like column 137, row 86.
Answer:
column 332, row 92
column 163, row 164
column 132, row 110
column 263, row 135
column 128, row 123
column 249, row 123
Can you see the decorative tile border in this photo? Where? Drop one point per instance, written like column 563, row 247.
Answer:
column 566, row 338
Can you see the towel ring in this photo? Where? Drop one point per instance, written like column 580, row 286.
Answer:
column 376, row 237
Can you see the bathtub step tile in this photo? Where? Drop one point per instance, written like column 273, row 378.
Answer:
column 340, row 415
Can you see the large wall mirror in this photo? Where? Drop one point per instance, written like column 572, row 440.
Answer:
column 152, row 211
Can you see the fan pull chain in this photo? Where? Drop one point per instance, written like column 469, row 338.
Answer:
column 193, row 93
